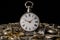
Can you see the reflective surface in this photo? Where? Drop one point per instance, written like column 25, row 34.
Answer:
column 13, row 31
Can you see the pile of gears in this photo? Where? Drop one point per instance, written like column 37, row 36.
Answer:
column 45, row 31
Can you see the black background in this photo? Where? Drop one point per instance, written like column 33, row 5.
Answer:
column 12, row 10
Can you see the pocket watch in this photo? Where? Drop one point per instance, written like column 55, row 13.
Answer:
column 29, row 21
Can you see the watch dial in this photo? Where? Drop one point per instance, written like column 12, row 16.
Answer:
column 29, row 21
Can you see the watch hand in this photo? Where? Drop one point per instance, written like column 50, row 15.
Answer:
column 26, row 20
column 32, row 19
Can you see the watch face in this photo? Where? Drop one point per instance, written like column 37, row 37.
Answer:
column 29, row 22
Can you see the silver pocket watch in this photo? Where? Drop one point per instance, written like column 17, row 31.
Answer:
column 29, row 20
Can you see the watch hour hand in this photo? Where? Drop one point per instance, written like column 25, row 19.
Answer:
column 26, row 20
column 32, row 19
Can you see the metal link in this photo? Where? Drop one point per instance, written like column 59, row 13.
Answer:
column 23, row 34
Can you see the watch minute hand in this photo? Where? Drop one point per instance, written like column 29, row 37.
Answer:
column 32, row 19
column 26, row 20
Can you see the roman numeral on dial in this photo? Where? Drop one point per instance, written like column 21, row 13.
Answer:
column 35, row 24
column 23, row 25
column 35, row 18
column 36, row 21
column 29, row 15
column 29, row 28
column 26, row 16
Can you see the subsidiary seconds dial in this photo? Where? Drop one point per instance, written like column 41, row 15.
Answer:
column 29, row 21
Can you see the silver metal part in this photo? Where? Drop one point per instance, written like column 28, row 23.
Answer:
column 28, row 6
column 38, row 34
